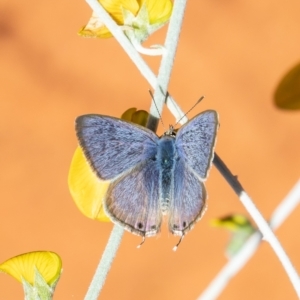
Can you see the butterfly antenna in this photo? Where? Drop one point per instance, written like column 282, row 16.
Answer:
column 150, row 92
column 143, row 241
column 190, row 110
column 176, row 246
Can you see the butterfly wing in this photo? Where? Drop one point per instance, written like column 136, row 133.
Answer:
column 114, row 146
column 195, row 142
column 188, row 202
column 132, row 200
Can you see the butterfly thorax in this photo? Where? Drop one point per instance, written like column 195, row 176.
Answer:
column 166, row 156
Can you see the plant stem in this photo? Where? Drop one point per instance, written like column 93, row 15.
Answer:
column 166, row 66
column 261, row 223
column 104, row 266
column 132, row 53
column 286, row 207
column 236, row 263
column 176, row 111
column 162, row 84
column 231, row 268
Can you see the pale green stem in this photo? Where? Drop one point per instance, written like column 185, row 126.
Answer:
column 237, row 262
column 166, row 66
column 262, row 224
column 286, row 207
column 155, row 50
column 165, row 71
column 175, row 110
column 136, row 58
column 104, row 266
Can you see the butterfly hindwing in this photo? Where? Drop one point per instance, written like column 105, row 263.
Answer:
column 195, row 142
column 142, row 186
column 133, row 200
column 114, row 146
column 188, row 201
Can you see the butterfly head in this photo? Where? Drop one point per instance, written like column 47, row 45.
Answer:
column 171, row 132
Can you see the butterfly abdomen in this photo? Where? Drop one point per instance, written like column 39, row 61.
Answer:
column 165, row 158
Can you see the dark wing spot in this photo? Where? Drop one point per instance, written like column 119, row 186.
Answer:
column 153, row 227
column 175, row 226
column 140, row 225
column 184, row 224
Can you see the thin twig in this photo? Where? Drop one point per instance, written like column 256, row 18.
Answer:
column 166, row 66
column 237, row 262
column 132, row 53
column 231, row 268
column 153, row 51
column 164, row 77
column 175, row 110
column 107, row 258
column 261, row 223
column 286, row 207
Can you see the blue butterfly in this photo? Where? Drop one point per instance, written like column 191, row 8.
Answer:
column 151, row 176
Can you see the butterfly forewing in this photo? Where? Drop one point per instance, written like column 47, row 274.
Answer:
column 133, row 200
column 195, row 142
column 114, row 146
column 150, row 176
column 188, row 201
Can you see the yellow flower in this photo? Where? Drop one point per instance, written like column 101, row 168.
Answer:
column 136, row 116
column 38, row 271
column 232, row 223
column 86, row 189
column 241, row 229
column 140, row 17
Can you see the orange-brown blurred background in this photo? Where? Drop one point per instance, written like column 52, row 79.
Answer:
column 234, row 53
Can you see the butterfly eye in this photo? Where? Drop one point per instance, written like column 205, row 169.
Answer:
column 140, row 225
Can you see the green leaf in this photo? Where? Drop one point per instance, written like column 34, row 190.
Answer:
column 241, row 229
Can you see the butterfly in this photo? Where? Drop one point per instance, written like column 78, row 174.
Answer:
column 151, row 176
